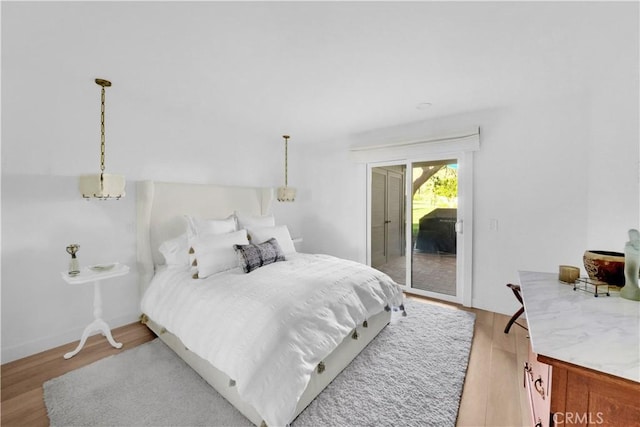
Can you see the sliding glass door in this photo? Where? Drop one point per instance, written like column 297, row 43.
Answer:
column 415, row 225
column 434, row 214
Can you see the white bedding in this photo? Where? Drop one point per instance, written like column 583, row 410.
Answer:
column 269, row 329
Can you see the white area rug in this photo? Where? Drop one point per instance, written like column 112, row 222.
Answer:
column 411, row 375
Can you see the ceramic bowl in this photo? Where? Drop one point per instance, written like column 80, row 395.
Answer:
column 605, row 266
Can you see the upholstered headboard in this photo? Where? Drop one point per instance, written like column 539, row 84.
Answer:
column 161, row 207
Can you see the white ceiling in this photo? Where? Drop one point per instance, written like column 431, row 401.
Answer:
column 318, row 70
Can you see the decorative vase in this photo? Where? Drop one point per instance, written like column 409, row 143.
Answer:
column 605, row 266
column 74, row 267
column 631, row 289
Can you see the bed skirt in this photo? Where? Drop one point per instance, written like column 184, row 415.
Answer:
column 326, row 371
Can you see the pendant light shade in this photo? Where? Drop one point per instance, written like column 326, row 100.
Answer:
column 286, row 193
column 102, row 186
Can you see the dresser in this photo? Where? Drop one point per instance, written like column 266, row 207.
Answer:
column 584, row 355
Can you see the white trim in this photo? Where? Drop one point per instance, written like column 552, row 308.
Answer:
column 465, row 197
column 432, row 295
column 31, row 347
column 462, row 141
column 464, row 266
column 408, row 230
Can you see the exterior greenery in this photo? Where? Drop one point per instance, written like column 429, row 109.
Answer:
column 440, row 191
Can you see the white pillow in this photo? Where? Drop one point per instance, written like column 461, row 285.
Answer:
column 280, row 232
column 215, row 253
column 198, row 227
column 246, row 221
column 176, row 251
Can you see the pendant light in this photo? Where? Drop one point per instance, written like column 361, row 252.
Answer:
column 286, row 193
column 102, row 186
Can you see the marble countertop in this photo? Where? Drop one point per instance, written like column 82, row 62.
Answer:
column 600, row 333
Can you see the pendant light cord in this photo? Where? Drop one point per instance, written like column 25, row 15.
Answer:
column 286, row 160
column 103, row 83
column 102, row 136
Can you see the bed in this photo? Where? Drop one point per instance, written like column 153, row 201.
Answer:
column 264, row 354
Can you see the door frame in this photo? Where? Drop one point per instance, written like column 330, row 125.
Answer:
column 464, row 261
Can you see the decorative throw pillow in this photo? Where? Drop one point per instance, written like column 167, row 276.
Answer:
column 246, row 221
column 176, row 251
column 215, row 253
column 279, row 232
column 199, row 227
column 253, row 256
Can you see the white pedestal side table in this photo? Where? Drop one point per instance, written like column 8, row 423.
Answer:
column 95, row 274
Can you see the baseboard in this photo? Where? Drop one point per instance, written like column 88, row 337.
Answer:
column 9, row 354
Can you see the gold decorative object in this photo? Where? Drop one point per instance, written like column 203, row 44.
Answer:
column 286, row 193
column 144, row 319
column 102, row 186
column 365, row 324
column 568, row 274
column 355, row 334
column 321, row 367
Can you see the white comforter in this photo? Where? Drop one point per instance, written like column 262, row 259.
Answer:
column 270, row 328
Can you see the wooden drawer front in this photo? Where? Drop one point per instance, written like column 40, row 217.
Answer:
column 584, row 398
column 537, row 380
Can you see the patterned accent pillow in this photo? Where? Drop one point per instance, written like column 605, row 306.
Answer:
column 252, row 257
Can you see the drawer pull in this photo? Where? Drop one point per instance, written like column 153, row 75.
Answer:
column 527, row 370
column 538, row 386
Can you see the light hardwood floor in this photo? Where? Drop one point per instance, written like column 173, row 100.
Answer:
column 22, row 399
column 492, row 395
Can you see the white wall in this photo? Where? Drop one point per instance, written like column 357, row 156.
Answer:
column 542, row 171
column 50, row 135
column 559, row 173
column 41, row 215
column 51, row 52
